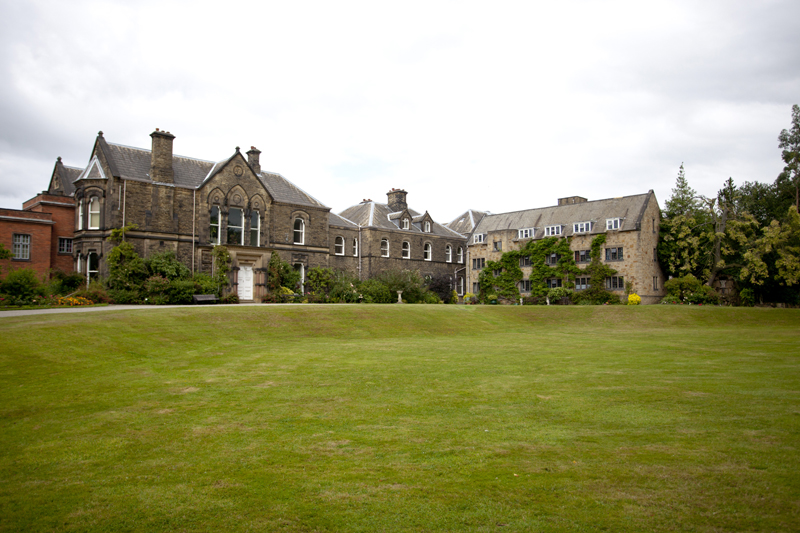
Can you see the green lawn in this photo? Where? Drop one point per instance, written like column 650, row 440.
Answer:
column 401, row 418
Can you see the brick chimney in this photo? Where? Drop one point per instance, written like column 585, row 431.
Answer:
column 161, row 157
column 571, row 200
column 252, row 158
column 397, row 200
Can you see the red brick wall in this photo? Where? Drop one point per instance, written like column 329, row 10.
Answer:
column 62, row 209
column 40, row 229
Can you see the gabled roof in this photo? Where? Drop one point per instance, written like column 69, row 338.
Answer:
column 134, row 163
column 465, row 223
column 629, row 209
column 377, row 215
column 65, row 176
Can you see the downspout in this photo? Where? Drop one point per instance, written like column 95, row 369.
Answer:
column 124, row 197
column 359, row 252
column 194, row 207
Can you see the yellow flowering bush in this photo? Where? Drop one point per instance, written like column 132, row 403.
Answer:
column 73, row 301
column 634, row 299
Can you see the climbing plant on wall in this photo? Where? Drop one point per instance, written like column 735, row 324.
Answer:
column 596, row 293
column 501, row 277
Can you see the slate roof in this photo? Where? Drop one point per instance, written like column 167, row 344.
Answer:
column 465, row 223
column 66, row 176
column 134, row 163
column 336, row 220
column 377, row 215
column 629, row 209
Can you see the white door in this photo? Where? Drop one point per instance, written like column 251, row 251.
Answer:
column 246, row 282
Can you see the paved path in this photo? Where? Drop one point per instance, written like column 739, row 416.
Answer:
column 25, row 312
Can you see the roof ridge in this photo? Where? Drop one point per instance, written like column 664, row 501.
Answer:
column 150, row 151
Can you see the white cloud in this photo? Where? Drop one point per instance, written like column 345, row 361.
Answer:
column 464, row 105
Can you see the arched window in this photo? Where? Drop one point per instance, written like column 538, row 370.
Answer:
column 94, row 213
column 427, row 252
column 92, row 265
column 80, row 216
column 405, row 223
column 406, row 250
column 79, row 267
column 235, row 226
column 460, row 255
column 338, row 246
column 214, row 226
column 427, row 227
column 355, row 247
column 255, row 229
column 299, row 231
column 384, row 247
column 448, row 254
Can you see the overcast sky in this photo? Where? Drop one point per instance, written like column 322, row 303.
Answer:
column 495, row 106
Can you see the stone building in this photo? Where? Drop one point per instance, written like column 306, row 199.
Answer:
column 188, row 205
column 630, row 224
column 394, row 236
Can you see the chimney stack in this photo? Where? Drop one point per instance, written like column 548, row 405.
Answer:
column 252, row 158
column 161, row 157
column 397, row 200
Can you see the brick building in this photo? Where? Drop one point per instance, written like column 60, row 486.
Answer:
column 630, row 224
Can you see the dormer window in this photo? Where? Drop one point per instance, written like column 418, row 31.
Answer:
column 405, row 223
column 427, row 227
column 582, row 227
column 526, row 233
column 612, row 223
column 477, row 238
column 552, row 231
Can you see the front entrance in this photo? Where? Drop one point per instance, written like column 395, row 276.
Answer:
column 245, row 287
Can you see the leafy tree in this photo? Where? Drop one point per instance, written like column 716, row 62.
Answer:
column 4, row 252
column 166, row 264
column 782, row 240
column 281, row 274
column 789, row 141
column 442, row 286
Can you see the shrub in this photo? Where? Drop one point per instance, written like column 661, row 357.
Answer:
column 64, row 283
column 431, row 298
column 747, row 297
column 442, row 286
column 453, row 298
column 534, row 300
column 205, row 284
column 634, row 299
column 22, row 284
column 122, row 296
column 376, row 292
column 180, row 291
column 689, row 289
column 126, row 270
column 559, row 295
column 166, row 264
column 96, row 293
column 230, row 299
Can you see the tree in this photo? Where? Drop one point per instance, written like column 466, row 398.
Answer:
column 782, row 240
column 682, row 235
column 789, row 141
column 4, row 253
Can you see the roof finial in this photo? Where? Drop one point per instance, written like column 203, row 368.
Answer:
column 237, row 149
column 58, row 159
column 100, row 133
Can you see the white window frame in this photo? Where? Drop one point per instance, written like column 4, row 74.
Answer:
column 448, row 254
column 338, row 245
column 613, row 223
column 21, row 248
column 427, row 252
column 477, row 238
column 355, row 247
column 552, row 231
column 406, row 250
column 89, row 270
column 427, row 227
column 94, row 210
column 526, row 233
column 405, row 223
column 79, row 268
column 581, row 227
column 460, row 255
column 231, row 226
column 299, row 233
column 385, row 249
column 211, row 224
column 257, row 229
column 80, row 214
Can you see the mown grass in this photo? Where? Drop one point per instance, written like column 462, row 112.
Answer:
column 401, row 418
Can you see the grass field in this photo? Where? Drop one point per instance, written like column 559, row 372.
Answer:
column 401, row 418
